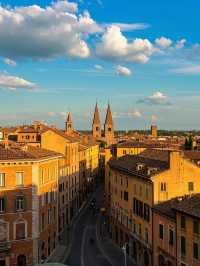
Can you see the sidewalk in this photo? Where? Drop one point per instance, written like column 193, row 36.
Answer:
column 111, row 251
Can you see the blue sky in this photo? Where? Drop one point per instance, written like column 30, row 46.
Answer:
column 141, row 56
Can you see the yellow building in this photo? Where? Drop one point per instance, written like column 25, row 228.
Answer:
column 69, row 183
column 135, row 183
column 28, row 205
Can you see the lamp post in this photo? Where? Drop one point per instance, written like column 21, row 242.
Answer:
column 125, row 255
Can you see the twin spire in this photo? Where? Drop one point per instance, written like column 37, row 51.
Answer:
column 108, row 134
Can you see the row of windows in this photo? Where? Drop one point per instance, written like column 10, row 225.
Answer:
column 19, row 230
column 19, row 204
column 183, row 224
column 48, row 218
column 184, row 248
column 49, row 197
column 141, row 209
column 47, row 173
column 19, row 179
column 170, row 234
column 138, row 189
column 163, row 186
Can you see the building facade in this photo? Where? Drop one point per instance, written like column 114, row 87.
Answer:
column 28, row 205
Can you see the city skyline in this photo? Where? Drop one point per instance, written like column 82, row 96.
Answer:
column 64, row 56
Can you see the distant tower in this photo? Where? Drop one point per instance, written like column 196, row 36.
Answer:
column 154, row 131
column 69, row 124
column 109, row 128
column 96, row 125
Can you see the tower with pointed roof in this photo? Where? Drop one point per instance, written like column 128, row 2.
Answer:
column 69, row 124
column 109, row 127
column 96, row 125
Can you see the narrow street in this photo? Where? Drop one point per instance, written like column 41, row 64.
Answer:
column 99, row 253
column 83, row 252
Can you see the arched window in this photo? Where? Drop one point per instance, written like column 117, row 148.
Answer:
column 4, row 231
column 20, row 229
column 21, row 260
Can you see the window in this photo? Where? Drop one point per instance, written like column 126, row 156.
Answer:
column 195, row 251
column 195, row 227
column 161, row 231
column 2, row 204
column 171, row 237
column 20, row 230
column 49, row 216
column 19, row 178
column 183, row 246
column 163, row 186
column 183, row 222
column 190, row 186
column 146, row 212
column 125, row 195
column 2, row 180
column 20, row 203
column 146, row 235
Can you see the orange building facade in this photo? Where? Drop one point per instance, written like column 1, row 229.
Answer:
column 28, row 206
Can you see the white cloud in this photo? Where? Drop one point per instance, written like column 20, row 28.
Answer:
column 130, row 26
column 163, row 42
column 115, row 46
column 137, row 114
column 13, row 83
column 10, row 62
column 50, row 32
column 65, row 6
column 180, row 44
column 157, row 98
column 98, row 67
column 187, row 70
column 123, row 71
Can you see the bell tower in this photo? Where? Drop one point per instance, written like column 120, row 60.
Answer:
column 109, row 127
column 96, row 125
column 69, row 124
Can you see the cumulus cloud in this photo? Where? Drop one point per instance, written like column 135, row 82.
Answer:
column 163, row 42
column 10, row 62
column 50, row 32
column 115, row 46
column 180, row 44
column 157, row 98
column 123, row 71
column 13, row 83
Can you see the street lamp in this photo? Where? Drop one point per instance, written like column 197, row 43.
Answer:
column 125, row 255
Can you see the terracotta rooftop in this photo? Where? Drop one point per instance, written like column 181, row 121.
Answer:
column 31, row 153
column 189, row 205
column 139, row 165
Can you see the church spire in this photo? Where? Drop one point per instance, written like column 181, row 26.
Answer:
column 96, row 119
column 96, row 125
column 109, row 127
column 69, row 124
column 108, row 119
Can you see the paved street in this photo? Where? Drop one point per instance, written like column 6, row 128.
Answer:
column 83, row 252
column 99, row 253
